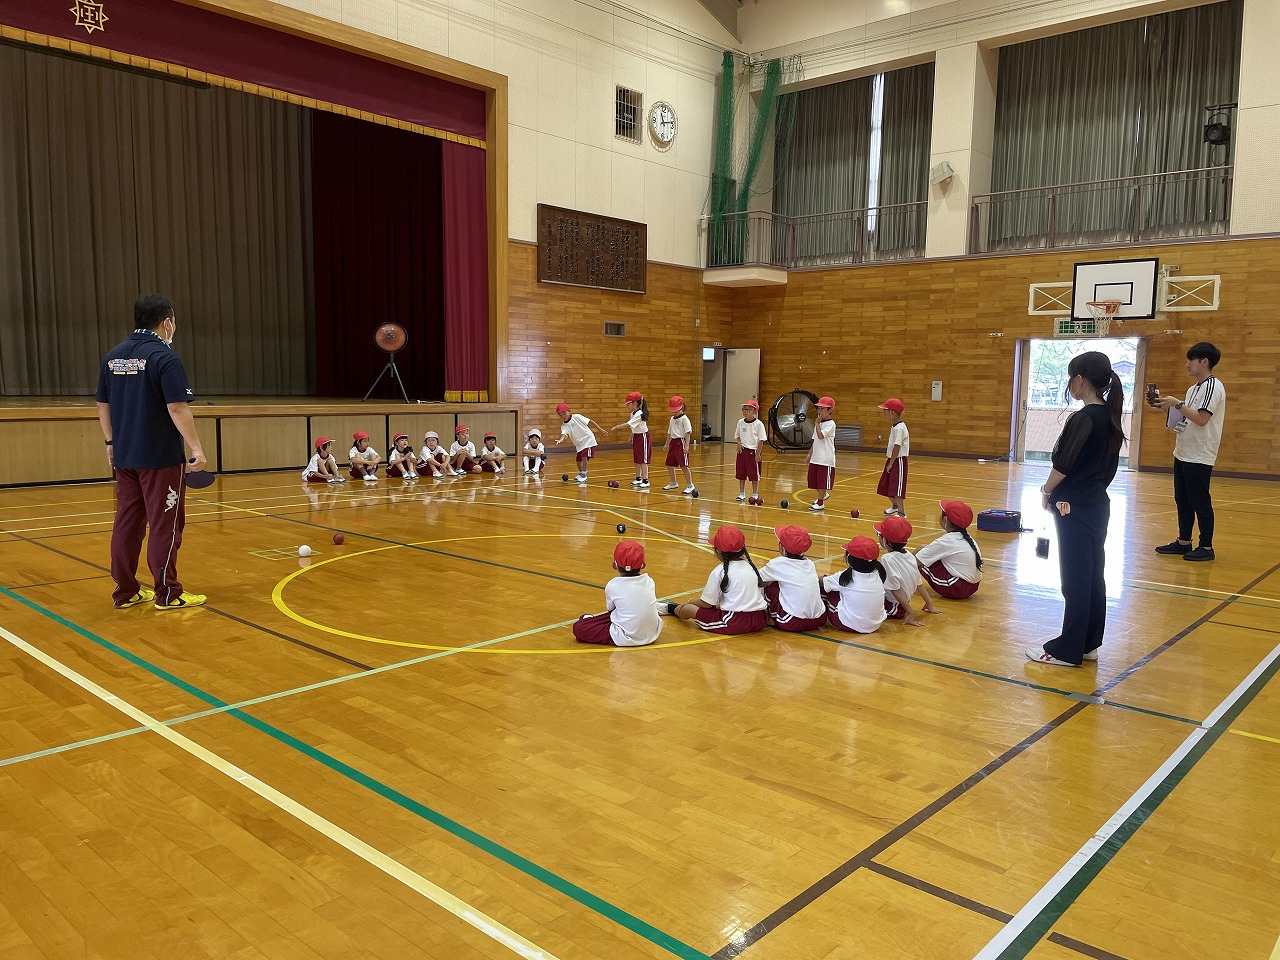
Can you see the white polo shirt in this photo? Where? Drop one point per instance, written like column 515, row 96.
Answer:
column 578, row 429
column 956, row 555
column 637, row 422
column 1200, row 444
column 743, row 594
column 679, row 428
column 314, row 465
column 824, row 444
column 368, row 455
column 632, row 603
column 798, row 590
column 898, row 435
column 456, row 448
column 750, row 435
column 861, row 605
column 901, row 572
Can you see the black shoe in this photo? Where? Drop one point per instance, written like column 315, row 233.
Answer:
column 1199, row 553
column 1175, row 547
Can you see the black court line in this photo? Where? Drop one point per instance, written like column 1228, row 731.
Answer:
column 55, row 583
column 1245, row 626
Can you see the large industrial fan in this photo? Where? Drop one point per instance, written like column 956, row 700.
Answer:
column 791, row 420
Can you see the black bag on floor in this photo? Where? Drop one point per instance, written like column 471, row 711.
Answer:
column 1000, row 521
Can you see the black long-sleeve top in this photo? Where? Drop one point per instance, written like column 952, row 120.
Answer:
column 1086, row 455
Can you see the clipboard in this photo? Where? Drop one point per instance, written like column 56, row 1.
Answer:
column 1175, row 421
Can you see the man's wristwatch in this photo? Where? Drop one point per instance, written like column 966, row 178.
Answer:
column 1179, row 405
column 109, row 443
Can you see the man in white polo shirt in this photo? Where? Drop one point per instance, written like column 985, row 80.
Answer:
column 1198, row 419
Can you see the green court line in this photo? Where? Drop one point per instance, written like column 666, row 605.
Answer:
column 494, row 849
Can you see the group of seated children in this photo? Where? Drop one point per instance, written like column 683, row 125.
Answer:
column 739, row 598
column 432, row 460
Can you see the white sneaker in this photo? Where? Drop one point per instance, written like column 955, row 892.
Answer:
column 335, row 480
column 689, row 489
column 817, row 506
column 342, row 479
column 1040, row 655
column 643, row 485
column 1091, row 656
column 528, row 473
column 370, row 478
column 500, row 470
column 891, row 511
column 741, row 498
column 636, row 482
column 579, row 479
column 671, row 486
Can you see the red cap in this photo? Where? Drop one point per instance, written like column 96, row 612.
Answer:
column 894, row 529
column 826, row 402
column 635, row 396
column 751, row 403
column 863, row 548
column 958, row 512
column 675, row 403
column 458, row 429
column 562, row 408
column 894, row 404
column 728, row 540
column 322, row 441
column 399, row 436
column 628, row 555
column 359, row 435
column 794, row 539
column 491, row 436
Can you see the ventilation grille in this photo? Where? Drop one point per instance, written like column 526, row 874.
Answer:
column 615, row 329
column 849, row 436
column 627, row 114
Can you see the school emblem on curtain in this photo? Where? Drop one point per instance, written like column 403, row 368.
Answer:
column 92, row 16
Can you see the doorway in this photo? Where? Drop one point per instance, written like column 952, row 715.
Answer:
column 730, row 375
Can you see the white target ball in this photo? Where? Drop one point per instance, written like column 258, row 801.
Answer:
column 304, row 551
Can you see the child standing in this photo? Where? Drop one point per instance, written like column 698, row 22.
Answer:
column 433, row 458
column 641, row 442
column 535, row 454
column 855, row 596
column 679, row 432
column 822, row 455
column 400, row 459
column 733, row 601
column 952, row 564
column 902, row 576
column 577, row 428
column 363, row 458
column 893, row 481
column 323, row 467
column 792, row 587
column 462, row 454
column 630, row 617
column 491, row 455
column 751, row 437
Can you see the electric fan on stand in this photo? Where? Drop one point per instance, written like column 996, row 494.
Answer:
column 790, row 422
column 390, row 338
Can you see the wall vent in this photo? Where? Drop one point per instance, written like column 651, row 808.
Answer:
column 627, row 114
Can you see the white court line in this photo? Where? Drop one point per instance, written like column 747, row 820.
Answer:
column 1024, row 917
column 391, row 867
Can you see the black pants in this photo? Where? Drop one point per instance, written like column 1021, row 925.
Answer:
column 1082, row 537
column 1191, row 494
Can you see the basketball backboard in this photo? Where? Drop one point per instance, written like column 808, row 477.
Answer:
column 1131, row 282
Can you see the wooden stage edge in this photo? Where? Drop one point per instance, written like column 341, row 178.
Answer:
column 240, row 434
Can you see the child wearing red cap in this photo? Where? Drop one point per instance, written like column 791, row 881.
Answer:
column 822, row 454
column 433, row 458
column 855, row 595
column 578, row 429
column 641, row 442
column 733, row 601
column 952, row 564
column 462, row 452
column 677, row 446
column 751, row 437
column 491, row 455
column 792, row 587
column 902, row 577
column 630, row 617
column 323, row 467
column 893, row 480
column 363, row 458
column 401, row 461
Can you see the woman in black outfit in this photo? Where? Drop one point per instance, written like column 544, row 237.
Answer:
column 1085, row 460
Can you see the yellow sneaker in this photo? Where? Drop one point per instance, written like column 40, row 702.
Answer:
column 142, row 596
column 186, row 600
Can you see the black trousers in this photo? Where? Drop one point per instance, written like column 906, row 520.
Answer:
column 1191, row 494
column 1082, row 536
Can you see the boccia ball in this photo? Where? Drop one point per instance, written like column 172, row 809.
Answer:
column 854, row 514
column 338, row 538
column 785, row 504
column 694, row 494
column 613, row 484
column 564, row 477
column 622, row 528
column 304, row 551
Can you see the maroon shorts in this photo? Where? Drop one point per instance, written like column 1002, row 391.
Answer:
column 399, row 470
column 821, row 478
column 468, row 465
column 594, row 629
column 787, row 621
column 747, row 467
column 947, row 584
column 893, row 609
column 716, row 620
column 490, row 466
column 586, row 454
column 893, row 481
column 641, row 448
column 358, row 474
column 316, row 477
column 677, row 453
column 536, row 464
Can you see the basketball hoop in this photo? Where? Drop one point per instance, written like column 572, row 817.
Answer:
column 1104, row 311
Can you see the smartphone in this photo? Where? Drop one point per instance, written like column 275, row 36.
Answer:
column 1042, row 547
column 1153, row 394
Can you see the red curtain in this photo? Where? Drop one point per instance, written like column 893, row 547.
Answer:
column 466, row 273
column 376, row 211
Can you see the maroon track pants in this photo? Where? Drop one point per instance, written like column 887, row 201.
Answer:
column 155, row 498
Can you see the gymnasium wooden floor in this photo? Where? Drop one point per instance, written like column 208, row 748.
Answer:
column 396, row 750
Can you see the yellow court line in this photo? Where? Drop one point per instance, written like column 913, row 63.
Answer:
column 1275, row 954
column 305, row 815
column 1255, row 736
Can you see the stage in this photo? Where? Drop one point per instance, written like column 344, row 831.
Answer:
column 240, row 434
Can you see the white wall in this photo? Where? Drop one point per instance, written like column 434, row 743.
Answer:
column 563, row 59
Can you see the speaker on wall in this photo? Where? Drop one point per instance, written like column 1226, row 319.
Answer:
column 941, row 172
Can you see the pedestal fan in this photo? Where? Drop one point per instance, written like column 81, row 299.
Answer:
column 390, row 338
column 790, row 423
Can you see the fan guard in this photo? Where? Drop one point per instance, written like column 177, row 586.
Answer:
column 790, row 420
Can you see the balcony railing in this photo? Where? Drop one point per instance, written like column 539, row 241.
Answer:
column 872, row 234
column 1160, row 206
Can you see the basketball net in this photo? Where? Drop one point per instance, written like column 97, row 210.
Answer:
column 1104, row 312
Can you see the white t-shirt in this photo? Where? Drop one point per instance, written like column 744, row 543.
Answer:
column 395, row 455
column 637, row 423
column 750, row 435
column 823, row 453
column 537, row 451
column 368, row 455
column 679, row 428
column 1200, row 444
column 456, row 448
column 901, row 572
column 798, row 590
column 744, row 593
column 956, row 555
column 632, row 603
column 314, row 465
column 898, row 435
column 487, row 454
column 578, row 429
column 861, row 605
column 439, row 453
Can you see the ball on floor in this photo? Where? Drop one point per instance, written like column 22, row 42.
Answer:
column 564, row 477
column 694, row 494
column 613, row 484
column 854, row 513
column 622, row 528
column 785, row 504
column 339, row 538
column 304, row 551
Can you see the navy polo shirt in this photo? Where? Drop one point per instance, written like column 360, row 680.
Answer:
column 139, row 378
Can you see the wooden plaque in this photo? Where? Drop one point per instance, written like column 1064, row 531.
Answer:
column 588, row 250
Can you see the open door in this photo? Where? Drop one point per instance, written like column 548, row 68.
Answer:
column 741, row 383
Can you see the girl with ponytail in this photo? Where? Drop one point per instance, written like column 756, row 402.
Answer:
column 733, row 600
column 855, row 595
column 641, row 442
column 952, row 564
column 1085, row 460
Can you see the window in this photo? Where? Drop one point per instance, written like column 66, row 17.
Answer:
column 627, row 114
column 612, row 329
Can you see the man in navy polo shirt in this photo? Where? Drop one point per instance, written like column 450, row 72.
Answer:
column 143, row 405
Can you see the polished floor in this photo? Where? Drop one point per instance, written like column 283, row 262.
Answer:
column 395, row 749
